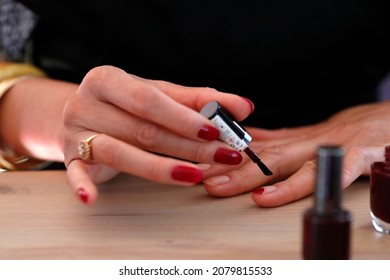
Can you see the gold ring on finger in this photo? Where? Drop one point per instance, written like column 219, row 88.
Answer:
column 85, row 148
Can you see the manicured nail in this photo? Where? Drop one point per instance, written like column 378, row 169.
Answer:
column 208, row 132
column 251, row 104
column 264, row 190
column 258, row 190
column 227, row 156
column 218, row 180
column 187, row 174
column 83, row 195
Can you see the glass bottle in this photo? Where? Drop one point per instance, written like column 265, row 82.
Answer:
column 380, row 193
column 326, row 226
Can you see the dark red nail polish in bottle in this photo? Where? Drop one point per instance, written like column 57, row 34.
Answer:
column 326, row 226
column 380, row 193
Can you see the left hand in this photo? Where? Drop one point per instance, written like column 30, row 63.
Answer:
column 363, row 131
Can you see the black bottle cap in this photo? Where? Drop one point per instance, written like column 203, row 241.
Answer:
column 329, row 173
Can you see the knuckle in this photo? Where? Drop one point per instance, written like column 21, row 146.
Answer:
column 273, row 152
column 196, row 152
column 146, row 134
column 95, row 73
column 113, row 155
column 209, row 90
column 99, row 73
column 92, row 79
column 71, row 112
column 272, row 155
column 95, row 81
column 357, row 152
column 338, row 133
column 154, row 172
column 357, row 155
column 310, row 168
column 109, row 152
column 241, row 175
column 308, row 174
column 143, row 98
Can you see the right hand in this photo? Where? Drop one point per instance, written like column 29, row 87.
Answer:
column 147, row 128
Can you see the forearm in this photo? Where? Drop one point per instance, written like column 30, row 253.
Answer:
column 31, row 117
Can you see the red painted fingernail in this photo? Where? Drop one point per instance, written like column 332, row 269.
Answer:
column 187, row 174
column 251, row 104
column 227, row 156
column 208, row 132
column 83, row 195
column 258, row 190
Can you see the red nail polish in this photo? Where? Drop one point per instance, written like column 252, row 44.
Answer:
column 227, row 156
column 187, row 174
column 83, row 195
column 258, row 190
column 252, row 106
column 208, row 132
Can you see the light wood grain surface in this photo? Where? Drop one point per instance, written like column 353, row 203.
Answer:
column 40, row 218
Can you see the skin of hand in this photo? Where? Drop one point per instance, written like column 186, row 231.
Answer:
column 290, row 153
column 148, row 128
column 31, row 117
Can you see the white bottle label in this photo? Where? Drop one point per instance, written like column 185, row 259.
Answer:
column 227, row 135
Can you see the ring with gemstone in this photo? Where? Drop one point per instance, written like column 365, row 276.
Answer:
column 85, row 148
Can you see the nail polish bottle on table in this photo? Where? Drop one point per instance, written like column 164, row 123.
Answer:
column 326, row 226
column 380, row 194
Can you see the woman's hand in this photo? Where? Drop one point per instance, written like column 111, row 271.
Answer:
column 363, row 131
column 151, row 129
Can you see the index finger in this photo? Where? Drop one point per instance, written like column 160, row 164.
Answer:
column 112, row 85
column 196, row 97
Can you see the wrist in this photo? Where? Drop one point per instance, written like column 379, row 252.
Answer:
column 12, row 74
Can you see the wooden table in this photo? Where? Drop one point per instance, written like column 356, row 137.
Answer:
column 40, row 218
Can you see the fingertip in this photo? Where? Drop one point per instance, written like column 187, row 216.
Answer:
column 187, row 174
column 80, row 182
column 235, row 182
column 219, row 186
column 240, row 107
column 208, row 133
column 267, row 196
column 87, row 197
column 250, row 103
column 83, row 195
